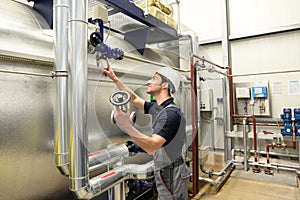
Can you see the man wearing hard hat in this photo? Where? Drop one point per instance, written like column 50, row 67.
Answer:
column 168, row 137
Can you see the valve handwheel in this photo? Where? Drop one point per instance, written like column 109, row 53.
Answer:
column 120, row 98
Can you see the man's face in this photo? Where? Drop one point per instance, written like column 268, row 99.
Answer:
column 154, row 84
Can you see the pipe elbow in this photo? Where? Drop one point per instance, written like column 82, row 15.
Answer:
column 64, row 170
column 83, row 193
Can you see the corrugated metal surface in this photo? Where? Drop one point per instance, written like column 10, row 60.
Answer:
column 27, row 164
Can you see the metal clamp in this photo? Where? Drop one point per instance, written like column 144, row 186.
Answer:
column 59, row 73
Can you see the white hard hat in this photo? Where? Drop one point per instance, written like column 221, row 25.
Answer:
column 172, row 76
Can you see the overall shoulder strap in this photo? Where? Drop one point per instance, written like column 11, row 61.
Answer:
column 168, row 106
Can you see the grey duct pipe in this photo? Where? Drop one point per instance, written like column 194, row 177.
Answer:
column 105, row 181
column 79, row 175
column 61, row 146
column 245, row 145
column 78, row 98
column 107, row 157
column 111, row 178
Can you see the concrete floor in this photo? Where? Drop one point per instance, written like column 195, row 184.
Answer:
column 246, row 185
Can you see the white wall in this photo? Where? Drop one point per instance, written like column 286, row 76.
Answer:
column 253, row 55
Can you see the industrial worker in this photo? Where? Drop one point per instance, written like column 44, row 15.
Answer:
column 168, row 136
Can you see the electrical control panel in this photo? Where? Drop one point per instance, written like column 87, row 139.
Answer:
column 259, row 92
column 252, row 98
column 242, row 92
column 206, row 100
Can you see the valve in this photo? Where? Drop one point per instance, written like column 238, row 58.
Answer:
column 96, row 44
column 96, row 38
column 121, row 99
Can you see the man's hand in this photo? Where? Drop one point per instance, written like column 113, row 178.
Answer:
column 122, row 118
column 109, row 72
column 133, row 147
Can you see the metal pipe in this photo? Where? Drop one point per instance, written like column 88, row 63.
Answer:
column 267, row 165
column 144, row 60
column 293, row 146
column 195, row 116
column 105, row 181
column 267, row 73
column 37, row 61
column 263, row 124
column 25, row 73
column 220, row 173
column 107, row 157
column 231, row 108
column 60, row 24
column 78, row 98
column 254, row 132
column 245, row 145
column 268, row 150
column 211, row 70
column 194, row 99
column 273, row 144
column 272, row 153
column 276, row 166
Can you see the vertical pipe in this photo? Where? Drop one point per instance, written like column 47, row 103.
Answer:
column 268, row 151
column 255, row 167
column 228, row 80
column 78, row 96
column 245, row 145
column 293, row 138
column 61, row 146
column 195, row 153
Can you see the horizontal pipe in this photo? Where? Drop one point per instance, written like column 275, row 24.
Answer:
column 220, row 173
column 24, row 60
column 277, row 166
column 25, row 73
column 267, row 73
column 205, row 60
column 262, row 124
column 272, row 153
column 264, row 164
column 107, row 180
column 107, row 157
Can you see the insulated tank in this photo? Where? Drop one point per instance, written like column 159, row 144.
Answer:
column 27, row 168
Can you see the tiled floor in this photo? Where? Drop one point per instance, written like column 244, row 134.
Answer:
column 242, row 185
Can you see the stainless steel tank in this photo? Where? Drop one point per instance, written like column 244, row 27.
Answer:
column 27, row 169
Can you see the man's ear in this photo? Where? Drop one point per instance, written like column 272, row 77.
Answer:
column 165, row 85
